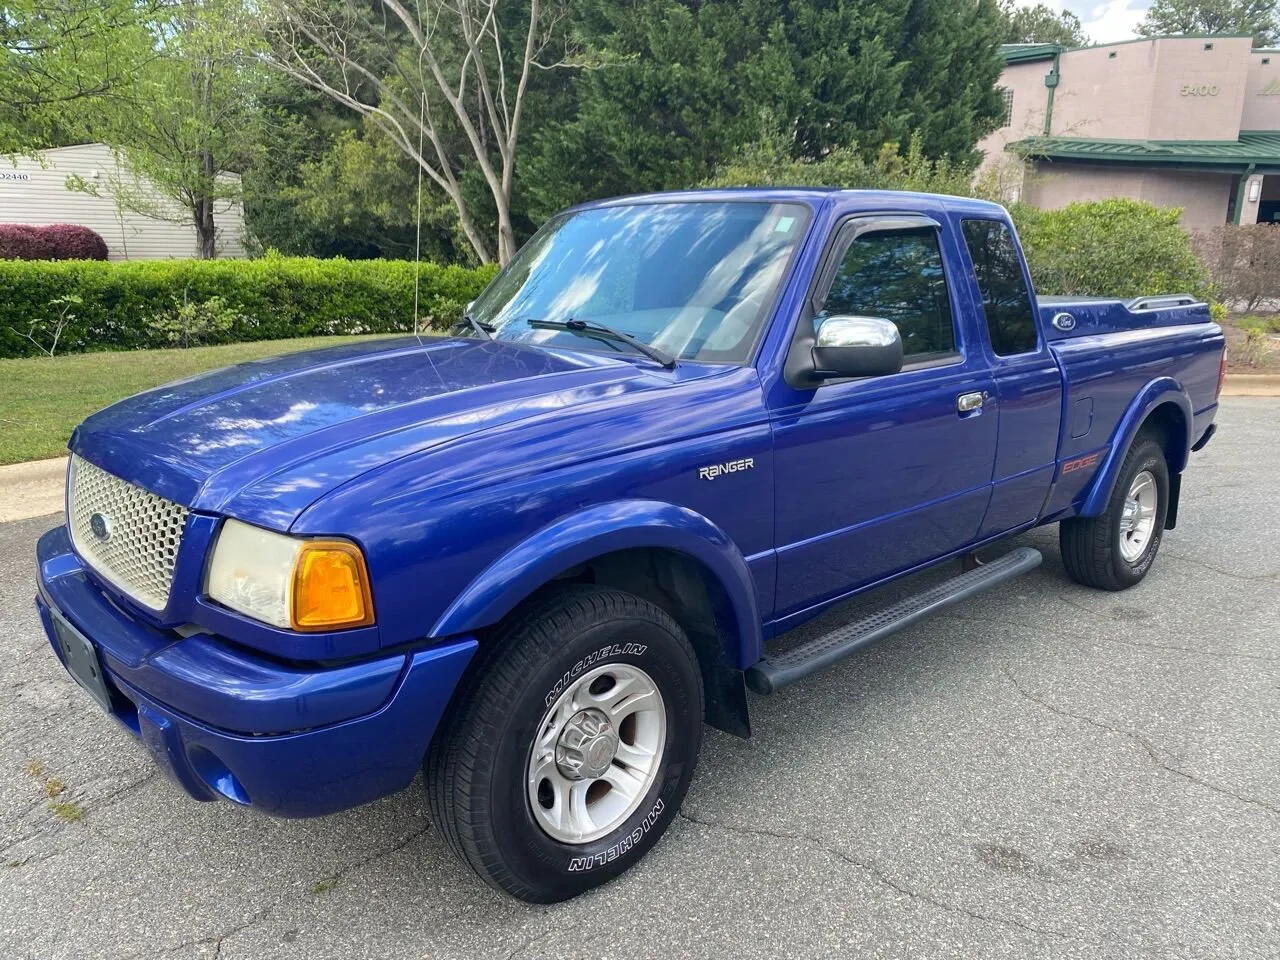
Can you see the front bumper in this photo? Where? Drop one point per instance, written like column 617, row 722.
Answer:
column 293, row 741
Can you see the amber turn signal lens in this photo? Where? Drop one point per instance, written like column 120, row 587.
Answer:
column 330, row 587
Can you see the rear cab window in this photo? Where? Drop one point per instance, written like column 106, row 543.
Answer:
column 1006, row 299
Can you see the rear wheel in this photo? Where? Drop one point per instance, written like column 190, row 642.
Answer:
column 571, row 746
column 1114, row 551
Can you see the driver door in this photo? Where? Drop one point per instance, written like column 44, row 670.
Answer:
column 877, row 475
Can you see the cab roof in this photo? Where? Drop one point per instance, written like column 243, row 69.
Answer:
column 811, row 196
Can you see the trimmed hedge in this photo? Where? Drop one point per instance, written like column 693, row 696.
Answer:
column 1120, row 248
column 160, row 303
column 59, row 241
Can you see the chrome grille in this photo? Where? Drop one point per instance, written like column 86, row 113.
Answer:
column 135, row 545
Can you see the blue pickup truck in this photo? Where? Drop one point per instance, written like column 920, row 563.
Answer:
column 533, row 558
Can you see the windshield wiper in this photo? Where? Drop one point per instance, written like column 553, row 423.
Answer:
column 484, row 329
column 589, row 328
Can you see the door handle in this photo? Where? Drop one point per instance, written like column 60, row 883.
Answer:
column 969, row 402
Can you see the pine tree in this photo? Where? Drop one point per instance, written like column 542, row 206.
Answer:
column 685, row 84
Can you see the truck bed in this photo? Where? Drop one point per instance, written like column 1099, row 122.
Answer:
column 1116, row 351
column 1095, row 315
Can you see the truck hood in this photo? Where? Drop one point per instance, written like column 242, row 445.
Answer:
column 263, row 440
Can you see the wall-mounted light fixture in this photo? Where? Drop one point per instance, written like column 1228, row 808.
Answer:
column 1255, row 190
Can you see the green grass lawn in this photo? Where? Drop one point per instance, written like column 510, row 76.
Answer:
column 42, row 399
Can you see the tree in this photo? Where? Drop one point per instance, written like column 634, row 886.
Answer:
column 55, row 55
column 445, row 80
column 1259, row 18
column 685, row 83
column 1042, row 24
column 328, row 185
column 356, row 199
column 186, row 122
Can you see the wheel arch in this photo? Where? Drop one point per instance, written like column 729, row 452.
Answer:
column 665, row 553
column 1163, row 406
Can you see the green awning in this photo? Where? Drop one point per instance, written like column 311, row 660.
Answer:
column 1255, row 148
column 1028, row 52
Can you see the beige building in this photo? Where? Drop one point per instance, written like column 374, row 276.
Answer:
column 1192, row 122
column 34, row 191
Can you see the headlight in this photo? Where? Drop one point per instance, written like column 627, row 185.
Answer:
column 289, row 582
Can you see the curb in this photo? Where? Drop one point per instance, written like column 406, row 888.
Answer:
column 1251, row 385
column 33, row 489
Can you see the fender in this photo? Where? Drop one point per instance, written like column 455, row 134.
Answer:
column 1162, row 390
column 605, row 528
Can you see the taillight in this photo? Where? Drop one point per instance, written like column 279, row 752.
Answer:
column 1222, row 372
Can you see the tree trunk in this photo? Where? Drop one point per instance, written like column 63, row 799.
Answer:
column 206, row 229
column 470, row 230
column 206, row 232
column 506, row 236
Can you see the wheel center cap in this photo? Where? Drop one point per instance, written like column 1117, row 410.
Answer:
column 1129, row 515
column 587, row 745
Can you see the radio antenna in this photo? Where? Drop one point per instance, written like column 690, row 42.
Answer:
column 417, row 243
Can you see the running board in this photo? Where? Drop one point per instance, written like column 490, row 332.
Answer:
column 792, row 665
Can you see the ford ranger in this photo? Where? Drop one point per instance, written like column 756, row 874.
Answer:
column 533, row 558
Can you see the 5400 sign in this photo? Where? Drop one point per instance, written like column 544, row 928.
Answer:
column 1199, row 89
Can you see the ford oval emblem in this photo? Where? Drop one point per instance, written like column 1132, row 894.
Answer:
column 1064, row 321
column 102, row 526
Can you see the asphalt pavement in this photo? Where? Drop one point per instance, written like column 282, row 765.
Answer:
column 1045, row 772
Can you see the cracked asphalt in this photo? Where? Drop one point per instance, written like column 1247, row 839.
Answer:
column 1045, row 772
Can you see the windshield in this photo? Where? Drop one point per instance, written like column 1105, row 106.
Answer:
column 693, row 279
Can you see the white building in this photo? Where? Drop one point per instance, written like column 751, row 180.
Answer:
column 35, row 192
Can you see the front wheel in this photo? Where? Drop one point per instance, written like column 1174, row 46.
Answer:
column 1114, row 551
column 569, row 749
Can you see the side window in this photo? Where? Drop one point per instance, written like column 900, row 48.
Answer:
column 898, row 276
column 1011, row 321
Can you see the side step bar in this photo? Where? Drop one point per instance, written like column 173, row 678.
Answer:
column 788, row 667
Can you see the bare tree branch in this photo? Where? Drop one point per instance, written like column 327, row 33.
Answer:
column 436, row 71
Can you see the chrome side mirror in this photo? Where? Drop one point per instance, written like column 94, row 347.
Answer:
column 857, row 347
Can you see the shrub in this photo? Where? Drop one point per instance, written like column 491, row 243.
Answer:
column 61, row 241
column 157, row 303
column 45, row 333
column 72, row 242
column 768, row 162
column 1114, row 248
column 193, row 322
column 1244, row 261
column 20, row 242
column 1253, row 350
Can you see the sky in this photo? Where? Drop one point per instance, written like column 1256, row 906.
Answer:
column 1104, row 20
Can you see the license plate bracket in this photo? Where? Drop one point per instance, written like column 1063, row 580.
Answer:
column 81, row 660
